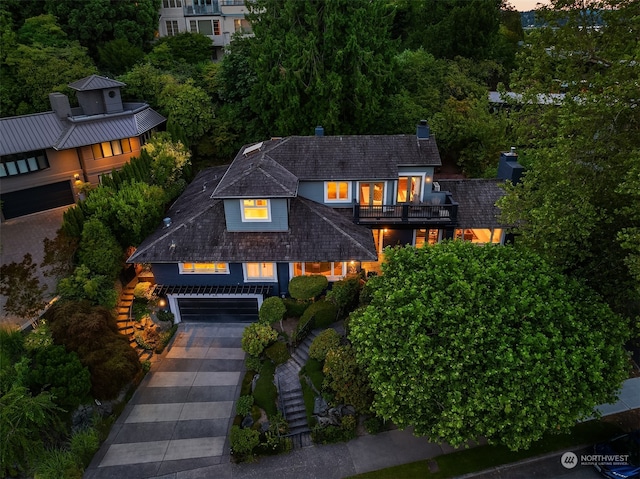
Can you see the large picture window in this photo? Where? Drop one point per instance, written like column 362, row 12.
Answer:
column 255, row 210
column 260, row 272
column 371, row 194
column 12, row 165
column 205, row 27
column 337, row 191
column 204, row 268
column 330, row 269
column 479, row 235
column 108, row 149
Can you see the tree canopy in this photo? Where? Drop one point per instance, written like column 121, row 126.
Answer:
column 463, row 341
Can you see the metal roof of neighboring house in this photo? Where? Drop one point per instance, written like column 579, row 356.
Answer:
column 95, row 82
column 510, row 97
column 198, row 232
column 476, row 201
column 25, row 133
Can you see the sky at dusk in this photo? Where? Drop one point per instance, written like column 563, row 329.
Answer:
column 526, row 5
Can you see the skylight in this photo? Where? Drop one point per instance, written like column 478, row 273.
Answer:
column 251, row 149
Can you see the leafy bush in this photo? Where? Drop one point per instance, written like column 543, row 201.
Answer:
column 56, row 463
column 99, row 250
column 272, row 310
column 83, row 285
column 320, row 314
column 139, row 309
column 344, row 294
column 13, row 343
column 244, row 405
column 295, row 308
column 347, row 380
column 163, row 315
column 40, row 337
column 84, row 444
column 243, row 442
column 331, row 434
column 165, row 337
column 142, row 290
column 278, row 353
column 252, row 363
column 256, row 337
column 307, row 287
column 61, row 373
column 325, row 341
column 373, row 424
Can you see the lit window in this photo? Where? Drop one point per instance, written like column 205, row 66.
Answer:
column 371, row 194
column 260, row 272
column 337, row 191
column 204, row 268
column 111, row 148
column 255, row 210
column 427, row 236
column 409, row 189
column 325, row 268
column 479, row 235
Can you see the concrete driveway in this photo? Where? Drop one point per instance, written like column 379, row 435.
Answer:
column 180, row 415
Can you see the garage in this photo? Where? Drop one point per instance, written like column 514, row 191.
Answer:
column 33, row 200
column 218, row 310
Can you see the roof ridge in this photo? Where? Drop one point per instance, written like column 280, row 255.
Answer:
column 336, row 226
column 278, row 165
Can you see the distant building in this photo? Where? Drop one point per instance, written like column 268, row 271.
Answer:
column 217, row 19
column 45, row 157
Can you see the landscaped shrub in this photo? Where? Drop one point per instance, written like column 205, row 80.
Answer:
column 320, row 346
column 84, row 444
column 57, row 463
column 243, row 442
column 256, row 337
column 331, row 434
column 99, row 250
column 139, row 309
column 278, row 353
column 344, row 294
column 83, row 285
column 61, row 373
column 265, row 393
column 272, row 310
column 373, row 424
column 295, row 308
column 244, row 405
column 346, row 379
column 167, row 316
column 142, row 290
column 319, row 315
column 307, row 287
column 165, row 337
column 252, row 363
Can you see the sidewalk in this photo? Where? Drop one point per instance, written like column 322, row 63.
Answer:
column 364, row 454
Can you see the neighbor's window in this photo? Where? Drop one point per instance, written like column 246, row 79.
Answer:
column 107, row 149
column 255, row 210
column 479, row 235
column 11, row 165
column 337, row 191
column 242, row 25
column 409, row 189
column 204, row 268
column 205, row 27
column 260, row 271
column 172, row 28
column 327, row 268
column 172, row 3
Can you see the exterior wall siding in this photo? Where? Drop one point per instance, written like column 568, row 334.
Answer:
column 63, row 165
column 96, row 167
column 279, row 217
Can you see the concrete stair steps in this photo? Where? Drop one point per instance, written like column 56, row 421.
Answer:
column 302, row 439
column 300, row 415
column 298, row 425
column 295, row 407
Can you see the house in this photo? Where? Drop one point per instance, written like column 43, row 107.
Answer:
column 217, row 19
column 46, row 156
column 304, row 205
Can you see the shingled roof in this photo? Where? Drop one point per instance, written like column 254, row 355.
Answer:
column 476, row 201
column 198, row 232
column 259, row 175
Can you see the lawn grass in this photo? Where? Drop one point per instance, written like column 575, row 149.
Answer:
column 313, row 370
column 265, row 393
column 484, row 457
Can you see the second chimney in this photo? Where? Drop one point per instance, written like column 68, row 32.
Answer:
column 60, row 105
column 422, row 130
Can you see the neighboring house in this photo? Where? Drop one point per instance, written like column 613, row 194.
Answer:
column 308, row 205
column 46, row 156
column 217, row 19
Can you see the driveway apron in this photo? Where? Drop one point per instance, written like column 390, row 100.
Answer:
column 180, row 415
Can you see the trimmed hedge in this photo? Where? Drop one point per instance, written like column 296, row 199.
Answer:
column 278, row 353
column 295, row 308
column 320, row 314
column 307, row 287
column 325, row 341
column 272, row 310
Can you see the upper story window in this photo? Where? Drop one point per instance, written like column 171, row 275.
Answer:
column 259, row 272
column 255, row 210
column 409, row 189
column 19, row 164
column 172, row 27
column 111, row 148
column 337, row 191
column 204, row 268
column 172, row 3
column 371, row 194
column 205, row 27
column 242, row 25
column 232, row 3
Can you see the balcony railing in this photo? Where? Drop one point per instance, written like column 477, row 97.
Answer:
column 193, row 10
column 406, row 213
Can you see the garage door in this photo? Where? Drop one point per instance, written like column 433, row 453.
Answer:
column 221, row 310
column 40, row 198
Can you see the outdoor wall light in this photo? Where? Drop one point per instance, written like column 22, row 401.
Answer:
column 76, row 177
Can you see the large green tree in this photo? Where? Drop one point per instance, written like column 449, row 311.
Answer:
column 324, row 63
column 463, row 342
column 576, row 203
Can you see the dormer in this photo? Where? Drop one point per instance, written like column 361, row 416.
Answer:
column 98, row 95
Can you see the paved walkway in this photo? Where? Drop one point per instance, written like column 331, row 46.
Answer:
column 176, row 424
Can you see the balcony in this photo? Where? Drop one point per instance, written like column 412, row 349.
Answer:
column 408, row 213
column 208, row 9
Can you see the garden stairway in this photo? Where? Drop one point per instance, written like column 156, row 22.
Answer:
column 291, row 400
column 125, row 321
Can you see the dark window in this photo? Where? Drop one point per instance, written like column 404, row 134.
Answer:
column 21, row 163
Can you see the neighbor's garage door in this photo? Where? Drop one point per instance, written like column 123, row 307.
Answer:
column 40, row 198
column 221, row 310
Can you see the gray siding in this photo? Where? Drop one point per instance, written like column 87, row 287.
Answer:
column 314, row 190
column 279, row 217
